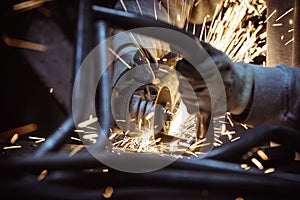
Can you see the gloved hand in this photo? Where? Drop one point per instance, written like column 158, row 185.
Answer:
column 132, row 59
column 238, row 78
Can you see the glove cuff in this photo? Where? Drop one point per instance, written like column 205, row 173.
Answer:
column 243, row 88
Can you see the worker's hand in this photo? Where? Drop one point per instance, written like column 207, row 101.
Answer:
column 131, row 60
column 237, row 78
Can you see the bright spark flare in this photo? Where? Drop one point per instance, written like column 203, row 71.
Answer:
column 232, row 29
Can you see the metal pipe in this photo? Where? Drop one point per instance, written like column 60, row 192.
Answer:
column 83, row 40
column 83, row 47
column 57, row 139
column 104, row 86
column 128, row 21
column 227, row 183
column 254, row 137
column 175, row 178
column 85, row 161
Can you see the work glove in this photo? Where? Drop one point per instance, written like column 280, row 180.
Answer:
column 238, row 78
column 131, row 60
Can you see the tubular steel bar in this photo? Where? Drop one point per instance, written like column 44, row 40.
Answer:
column 254, row 137
column 128, row 21
column 104, row 86
column 57, row 139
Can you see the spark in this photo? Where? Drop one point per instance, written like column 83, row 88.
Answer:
column 229, row 134
column 123, row 5
column 120, row 120
column 187, row 27
column 74, row 138
column 274, row 144
column 192, row 153
column 140, row 124
column 198, row 144
column 219, row 141
column 42, row 175
column 244, row 166
column 119, row 57
column 13, row 42
column 38, row 139
column 291, row 30
column 183, row 144
column 196, row 3
column 137, row 44
column 28, row 5
column 262, row 155
column 90, row 132
column 284, row 14
column 269, row 170
column 244, row 126
column 229, row 119
column 76, row 149
column 270, row 16
column 202, row 29
column 139, row 6
column 51, row 90
column 87, row 122
column 105, row 170
column 127, row 132
column 257, row 163
column 14, row 138
column 112, row 135
column 12, row 147
column 194, row 29
column 223, row 128
column 79, row 131
column 217, row 144
column 149, row 116
column 234, row 139
column 288, row 42
column 154, row 9
column 163, row 70
column 90, row 136
column 277, row 24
